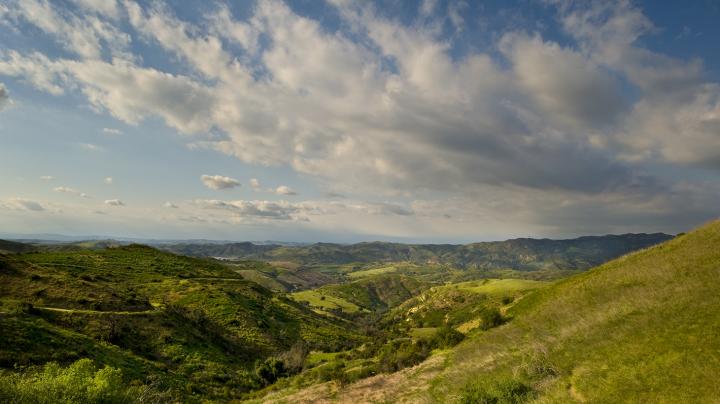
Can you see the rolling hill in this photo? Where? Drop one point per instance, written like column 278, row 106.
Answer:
column 642, row 328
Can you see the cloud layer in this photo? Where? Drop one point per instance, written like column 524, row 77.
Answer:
column 383, row 107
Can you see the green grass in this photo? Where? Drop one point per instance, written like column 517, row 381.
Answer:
column 423, row 332
column 642, row 328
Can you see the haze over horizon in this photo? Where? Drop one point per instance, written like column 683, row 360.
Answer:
column 338, row 121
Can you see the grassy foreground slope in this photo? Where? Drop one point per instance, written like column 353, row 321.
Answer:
column 642, row 328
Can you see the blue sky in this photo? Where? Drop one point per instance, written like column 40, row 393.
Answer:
column 432, row 121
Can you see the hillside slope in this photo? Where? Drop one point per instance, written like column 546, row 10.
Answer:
column 375, row 293
column 642, row 328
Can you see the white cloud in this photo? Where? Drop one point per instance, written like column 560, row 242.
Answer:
column 112, row 131
column 218, row 182
column 114, row 202
column 170, row 205
column 47, row 177
column 104, row 7
column 108, row 180
column 255, row 184
column 285, row 190
column 68, row 190
column 83, row 35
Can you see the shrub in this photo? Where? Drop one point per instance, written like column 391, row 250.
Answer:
column 294, row 359
column 270, row 370
column 491, row 318
column 446, row 337
column 401, row 354
column 79, row 382
column 503, row 392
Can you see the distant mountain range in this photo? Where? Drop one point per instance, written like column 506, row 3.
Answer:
column 521, row 254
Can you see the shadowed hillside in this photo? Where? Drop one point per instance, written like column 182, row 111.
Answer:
column 12, row 247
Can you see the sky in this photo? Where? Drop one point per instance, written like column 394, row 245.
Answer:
column 343, row 121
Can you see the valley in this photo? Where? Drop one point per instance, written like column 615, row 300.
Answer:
column 242, row 328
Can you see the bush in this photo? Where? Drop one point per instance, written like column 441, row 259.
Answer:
column 491, row 318
column 81, row 382
column 270, row 370
column 503, row 392
column 294, row 358
column 402, row 354
column 446, row 337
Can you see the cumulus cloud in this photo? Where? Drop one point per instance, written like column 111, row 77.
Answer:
column 218, row 182
column 108, row 180
column 114, row 202
column 255, row 184
column 285, row 190
column 68, row 190
column 47, row 177
column 170, row 205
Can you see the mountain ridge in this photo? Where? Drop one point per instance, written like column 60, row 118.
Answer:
column 520, row 253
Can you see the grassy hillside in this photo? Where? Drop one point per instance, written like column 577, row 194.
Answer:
column 520, row 254
column 192, row 322
column 642, row 328
column 464, row 306
column 372, row 293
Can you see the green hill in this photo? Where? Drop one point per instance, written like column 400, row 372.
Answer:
column 373, row 293
column 13, row 247
column 642, row 328
column 154, row 315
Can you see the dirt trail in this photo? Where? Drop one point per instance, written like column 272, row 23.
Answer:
column 85, row 311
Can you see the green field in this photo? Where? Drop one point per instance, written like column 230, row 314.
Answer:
column 372, row 271
column 317, row 298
